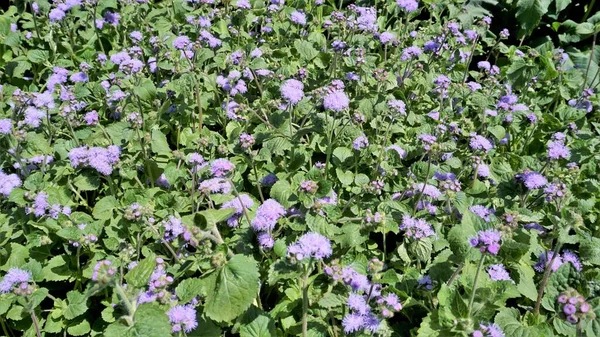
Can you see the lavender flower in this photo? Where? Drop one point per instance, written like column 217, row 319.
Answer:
column 408, row 5
column 488, row 330
column 480, row 143
column 410, row 53
column 181, row 42
column 569, row 256
column 221, row 167
column 100, row 159
column 8, row 182
column 557, row 149
column 215, row 185
column 267, row 215
column 544, row 260
column 482, row 212
column 532, row 180
column 183, row 318
column 14, row 277
column 5, row 126
column 298, row 17
column 293, row 91
column 311, row 245
column 243, row 201
column 360, row 142
column 397, row 106
column 487, row 241
column 497, row 272
column 416, row 228
column 336, row 101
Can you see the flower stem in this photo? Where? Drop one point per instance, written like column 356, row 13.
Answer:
column 475, row 285
column 125, row 299
column 305, row 302
column 36, row 324
column 547, row 272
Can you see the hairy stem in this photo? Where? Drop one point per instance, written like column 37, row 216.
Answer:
column 475, row 285
column 545, row 278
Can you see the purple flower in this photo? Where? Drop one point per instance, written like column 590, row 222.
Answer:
column 181, row 42
column 265, row 240
column 100, row 159
column 386, row 37
column 400, row 151
column 480, row 143
column 269, row 180
column 8, row 182
column 482, row 212
column 397, row 106
column 557, row 149
column 112, row 18
column 487, row 241
column 532, row 180
column 239, row 203
column 183, row 318
column 267, row 215
column 243, row 4
column 215, row 185
column 311, row 245
column 298, row 17
column 40, row 204
column 428, row 190
column 416, row 228
column 485, row 65
column 410, row 52
column 14, row 276
column 336, row 101
column 91, row 118
column 490, row 330
column 5, row 126
column 221, row 167
column 408, row 5
column 544, row 260
column 79, row 77
column 360, row 142
column 497, row 272
column 569, row 256
column 56, row 15
column 353, row 323
column 293, row 91
column 358, row 303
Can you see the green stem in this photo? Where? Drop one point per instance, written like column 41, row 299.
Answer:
column 424, row 185
column 587, row 13
column 475, row 285
column 4, row 327
column 305, row 302
column 590, row 58
column 547, row 272
column 121, row 292
column 36, row 324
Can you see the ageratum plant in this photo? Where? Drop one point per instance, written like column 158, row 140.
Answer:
column 309, row 168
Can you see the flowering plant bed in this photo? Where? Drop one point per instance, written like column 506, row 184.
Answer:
column 215, row 168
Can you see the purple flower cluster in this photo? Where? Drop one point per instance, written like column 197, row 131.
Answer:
column 239, row 203
column 488, row 330
column 487, row 241
column 175, row 228
column 397, row 106
column 215, row 185
column 41, row 207
column 408, row 5
column 482, row 212
column 157, row 285
column 574, row 306
column 544, row 260
column 101, row 159
column 103, row 271
column 265, row 220
column 416, row 228
column 311, row 245
column 557, row 150
column 16, row 280
column 292, row 91
column 480, row 143
column 221, row 168
column 183, row 318
column 233, row 84
column 498, row 272
column 336, row 101
column 8, row 182
column 447, row 181
column 532, row 180
column 426, row 189
column 360, row 142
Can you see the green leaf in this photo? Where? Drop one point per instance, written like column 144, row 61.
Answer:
column 79, row 329
column 306, row 50
column 190, row 288
column 37, row 56
column 76, row 305
column 103, row 209
column 149, row 321
column 282, row 191
column 261, row 326
column 526, row 286
column 146, row 90
column 589, row 250
column 529, row 14
column 140, row 274
column 235, row 287
column 214, row 216
column 340, row 154
column 509, row 320
column 159, row 143
column 85, row 182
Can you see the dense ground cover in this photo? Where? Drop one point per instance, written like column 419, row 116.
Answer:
column 201, row 168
